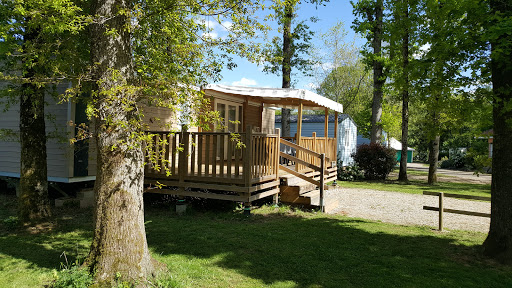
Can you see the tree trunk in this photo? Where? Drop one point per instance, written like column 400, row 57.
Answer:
column 33, row 203
column 287, row 66
column 119, row 243
column 433, row 155
column 378, row 75
column 499, row 240
column 402, row 175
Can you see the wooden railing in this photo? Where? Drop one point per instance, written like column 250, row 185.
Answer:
column 213, row 157
column 312, row 155
column 315, row 144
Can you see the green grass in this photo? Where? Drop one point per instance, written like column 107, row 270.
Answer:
column 275, row 247
column 417, row 187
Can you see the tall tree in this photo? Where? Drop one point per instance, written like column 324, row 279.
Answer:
column 449, row 51
column 286, row 19
column 119, row 243
column 402, row 39
column 36, row 53
column 402, row 175
column 371, row 13
column 499, row 240
column 145, row 53
column 292, row 51
column 344, row 78
column 33, row 202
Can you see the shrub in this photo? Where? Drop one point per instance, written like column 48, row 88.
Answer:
column 74, row 277
column 376, row 160
column 11, row 223
column 350, row 173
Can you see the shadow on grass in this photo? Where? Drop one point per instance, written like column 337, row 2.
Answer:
column 70, row 233
column 301, row 251
column 325, row 252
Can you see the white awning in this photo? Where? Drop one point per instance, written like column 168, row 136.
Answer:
column 281, row 97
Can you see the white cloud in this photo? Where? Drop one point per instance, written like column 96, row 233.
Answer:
column 425, row 47
column 245, row 82
column 208, row 23
column 227, row 25
column 311, row 86
column 324, row 66
column 211, row 35
column 422, row 51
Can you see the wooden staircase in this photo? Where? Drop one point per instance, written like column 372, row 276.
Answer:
column 297, row 191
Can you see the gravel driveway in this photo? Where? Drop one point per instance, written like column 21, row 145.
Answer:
column 407, row 209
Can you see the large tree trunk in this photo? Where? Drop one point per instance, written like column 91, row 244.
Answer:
column 287, row 65
column 499, row 240
column 33, row 202
column 402, row 175
column 119, row 243
column 378, row 75
column 433, row 155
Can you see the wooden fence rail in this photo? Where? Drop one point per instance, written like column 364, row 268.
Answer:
column 441, row 208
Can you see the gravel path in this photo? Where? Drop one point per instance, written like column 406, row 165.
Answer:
column 407, row 209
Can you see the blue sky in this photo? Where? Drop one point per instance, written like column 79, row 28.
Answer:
column 248, row 74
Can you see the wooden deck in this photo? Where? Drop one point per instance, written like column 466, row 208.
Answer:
column 217, row 165
column 242, row 167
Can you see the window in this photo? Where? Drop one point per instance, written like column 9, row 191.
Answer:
column 347, row 137
column 231, row 114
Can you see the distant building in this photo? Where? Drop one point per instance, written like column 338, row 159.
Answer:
column 397, row 145
column 347, row 132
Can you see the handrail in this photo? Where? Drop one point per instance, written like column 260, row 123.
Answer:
column 293, row 145
column 300, row 161
column 322, row 170
column 300, row 175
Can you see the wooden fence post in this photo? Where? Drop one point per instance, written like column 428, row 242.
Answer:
column 441, row 208
column 322, row 181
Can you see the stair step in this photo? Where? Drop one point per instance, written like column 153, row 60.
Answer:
column 314, row 197
column 330, row 203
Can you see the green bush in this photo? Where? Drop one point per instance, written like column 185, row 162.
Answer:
column 74, row 277
column 11, row 223
column 350, row 173
column 376, row 160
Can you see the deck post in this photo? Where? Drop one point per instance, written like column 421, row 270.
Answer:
column 313, row 146
column 247, row 208
column 336, row 137
column 183, row 163
column 299, row 132
column 322, row 181
column 314, row 141
column 326, row 126
column 247, row 157
column 277, row 149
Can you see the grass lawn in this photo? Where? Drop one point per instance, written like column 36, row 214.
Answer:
column 418, row 186
column 275, row 247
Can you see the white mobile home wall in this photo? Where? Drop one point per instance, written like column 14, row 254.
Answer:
column 60, row 153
